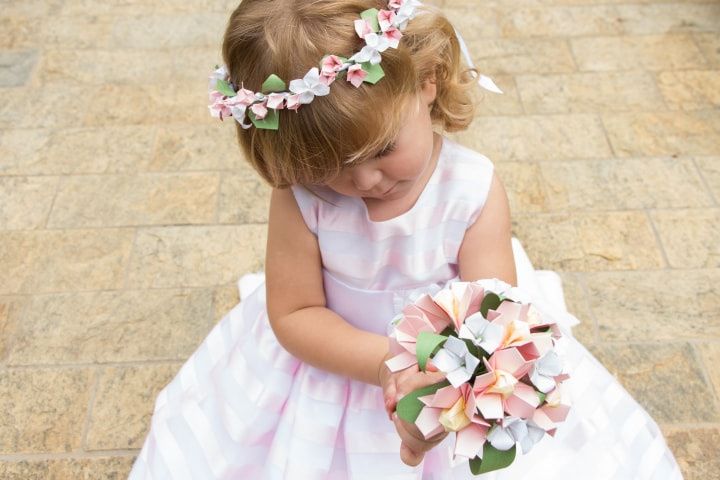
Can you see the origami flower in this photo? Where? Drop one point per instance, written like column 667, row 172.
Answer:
column 458, row 299
column 356, row 74
column 511, row 430
column 385, row 19
column 362, row 27
column 456, row 360
column 482, row 333
column 393, row 36
column 219, row 74
column 309, row 86
column 275, row 101
column 259, row 109
column 218, row 108
column 554, row 411
column 544, row 371
column 293, row 102
column 405, row 12
column 374, row 44
column 499, row 390
column 329, row 68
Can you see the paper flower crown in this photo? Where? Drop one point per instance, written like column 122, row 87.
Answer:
column 380, row 29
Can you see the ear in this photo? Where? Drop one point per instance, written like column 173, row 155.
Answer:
column 429, row 91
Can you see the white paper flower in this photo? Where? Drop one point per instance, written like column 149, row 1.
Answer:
column 374, row 44
column 456, row 360
column 219, row 74
column 309, row 86
column 482, row 333
column 544, row 370
column 511, row 430
column 405, row 13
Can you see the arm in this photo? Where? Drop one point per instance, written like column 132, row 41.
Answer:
column 296, row 301
column 486, row 250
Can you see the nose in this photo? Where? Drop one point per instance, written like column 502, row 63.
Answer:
column 366, row 178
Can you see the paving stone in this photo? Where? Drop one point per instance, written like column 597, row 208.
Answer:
column 709, row 168
column 709, row 44
column 589, row 92
column 195, row 256
column 507, row 103
column 559, row 21
column 148, row 199
column 16, row 67
column 577, row 304
column 617, row 184
column 11, row 310
column 25, row 201
column 690, row 237
column 62, row 260
column 710, row 354
column 144, row 7
column 195, row 29
column 243, row 201
column 43, row 410
column 695, row 452
column 690, row 89
column 473, row 23
column 664, row 305
column 521, row 55
column 669, row 18
column 523, row 185
column 664, row 378
column 225, row 298
column 664, row 133
column 18, row 32
column 536, row 137
column 114, row 326
column 28, row 107
column 124, row 404
column 648, row 52
column 588, row 241
column 107, row 468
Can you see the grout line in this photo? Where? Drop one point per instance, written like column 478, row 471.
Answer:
column 703, row 180
column 704, row 371
column 613, row 152
column 657, row 238
column 19, row 457
column 88, row 414
column 61, row 181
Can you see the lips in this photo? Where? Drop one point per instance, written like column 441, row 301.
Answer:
column 390, row 189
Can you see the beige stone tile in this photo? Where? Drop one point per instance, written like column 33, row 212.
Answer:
column 696, row 451
column 62, row 260
column 664, row 133
column 691, row 238
column 114, row 326
column 709, row 44
column 18, row 31
column 618, row 184
column 11, row 311
column 709, row 168
column 76, row 150
column 690, row 89
column 559, row 21
column 665, row 379
column 523, row 185
column 124, row 404
column 669, row 18
column 473, row 23
column 16, row 67
column 521, row 55
column 225, row 298
column 37, row 108
column 199, row 147
column 25, row 201
column 540, row 3
column 146, row 199
column 649, row 52
column 195, row 29
column 588, row 241
column 507, row 103
column 195, row 256
column 710, row 354
column 42, row 410
column 665, row 305
column 243, row 201
column 145, row 7
column 31, row 8
column 107, row 468
column 77, row 31
column 126, row 66
column 576, row 303
column 536, row 137
column 589, row 92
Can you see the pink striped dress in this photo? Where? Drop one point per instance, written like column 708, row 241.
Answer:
column 242, row 407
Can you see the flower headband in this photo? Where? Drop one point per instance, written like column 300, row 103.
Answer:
column 380, row 30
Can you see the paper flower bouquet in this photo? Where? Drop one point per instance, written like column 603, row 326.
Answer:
column 504, row 382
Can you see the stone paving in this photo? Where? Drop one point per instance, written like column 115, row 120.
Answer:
column 127, row 214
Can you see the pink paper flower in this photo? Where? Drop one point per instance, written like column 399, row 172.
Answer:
column 259, row 109
column 356, row 74
column 362, row 28
column 499, row 390
column 385, row 19
column 293, row 102
column 393, row 36
column 329, row 68
column 275, row 101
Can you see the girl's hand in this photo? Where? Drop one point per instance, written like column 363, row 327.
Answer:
column 395, row 385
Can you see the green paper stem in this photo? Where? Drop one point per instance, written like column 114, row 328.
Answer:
column 426, row 345
column 409, row 407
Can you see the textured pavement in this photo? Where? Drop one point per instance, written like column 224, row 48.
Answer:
column 127, row 214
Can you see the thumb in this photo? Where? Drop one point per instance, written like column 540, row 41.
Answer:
column 409, row 457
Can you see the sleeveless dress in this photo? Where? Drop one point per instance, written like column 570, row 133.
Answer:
column 242, row 407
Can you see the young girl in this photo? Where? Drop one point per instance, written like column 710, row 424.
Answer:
column 371, row 208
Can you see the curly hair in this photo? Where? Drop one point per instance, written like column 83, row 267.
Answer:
column 314, row 143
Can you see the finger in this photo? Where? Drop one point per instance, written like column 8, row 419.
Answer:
column 390, row 400
column 419, row 380
column 415, row 443
column 409, row 457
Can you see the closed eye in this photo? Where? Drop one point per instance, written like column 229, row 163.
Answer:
column 387, row 150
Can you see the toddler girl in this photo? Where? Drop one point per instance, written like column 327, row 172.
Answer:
column 370, row 209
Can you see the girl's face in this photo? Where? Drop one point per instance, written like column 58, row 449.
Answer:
column 394, row 172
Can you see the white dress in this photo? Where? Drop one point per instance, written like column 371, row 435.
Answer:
column 242, row 407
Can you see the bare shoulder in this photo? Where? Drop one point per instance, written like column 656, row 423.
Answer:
column 293, row 267
column 486, row 250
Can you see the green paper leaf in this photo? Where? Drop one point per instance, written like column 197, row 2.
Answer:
column 374, row 72
column 494, row 459
column 273, row 84
column 426, row 345
column 409, row 407
column 449, row 330
column 475, row 463
column 490, row 302
column 541, row 396
column 270, row 122
column 224, row 87
column 371, row 15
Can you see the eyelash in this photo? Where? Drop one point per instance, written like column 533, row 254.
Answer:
column 390, row 148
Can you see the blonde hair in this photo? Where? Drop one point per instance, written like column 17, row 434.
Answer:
column 314, row 143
